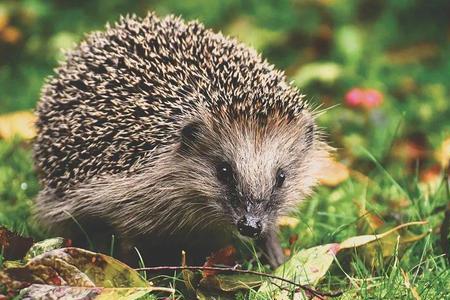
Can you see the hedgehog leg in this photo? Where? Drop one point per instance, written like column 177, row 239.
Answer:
column 271, row 248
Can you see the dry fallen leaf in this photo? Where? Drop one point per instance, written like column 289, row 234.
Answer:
column 333, row 173
column 67, row 273
column 225, row 256
column 17, row 124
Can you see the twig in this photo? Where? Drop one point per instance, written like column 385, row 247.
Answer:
column 314, row 292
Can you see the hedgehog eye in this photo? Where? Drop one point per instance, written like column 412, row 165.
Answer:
column 224, row 172
column 281, row 176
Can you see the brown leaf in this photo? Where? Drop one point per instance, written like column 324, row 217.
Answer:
column 225, row 256
column 431, row 174
column 74, row 267
column 14, row 246
column 293, row 238
column 333, row 173
column 414, row 147
column 10, row 34
column 287, row 252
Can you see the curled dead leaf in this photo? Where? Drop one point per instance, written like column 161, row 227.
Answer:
column 72, row 271
column 225, row 256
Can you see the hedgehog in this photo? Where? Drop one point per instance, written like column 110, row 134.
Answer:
column 172, row 137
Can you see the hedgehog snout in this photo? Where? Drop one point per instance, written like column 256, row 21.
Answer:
column 250, row 226
column 251, row 220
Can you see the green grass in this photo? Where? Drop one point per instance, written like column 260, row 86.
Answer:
column 335, row 216
column 331, row 215
column 18, row 186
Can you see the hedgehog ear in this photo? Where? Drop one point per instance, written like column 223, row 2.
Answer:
column 189, row 135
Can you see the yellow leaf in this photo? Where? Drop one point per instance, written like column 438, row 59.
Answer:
column 333, row 173
column 17, row 124
column 290, row 222
column 365, row 239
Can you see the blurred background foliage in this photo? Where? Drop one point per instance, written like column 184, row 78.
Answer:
column 379, row 68
column 400, row 48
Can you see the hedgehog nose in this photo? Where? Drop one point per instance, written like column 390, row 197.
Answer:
column 249, row 226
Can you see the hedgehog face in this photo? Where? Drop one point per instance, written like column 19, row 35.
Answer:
column 254, row 173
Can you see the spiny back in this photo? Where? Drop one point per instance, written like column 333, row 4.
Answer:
column 123, row 95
